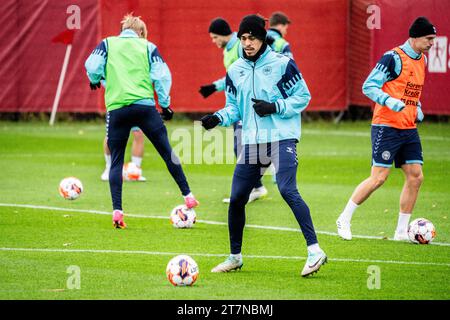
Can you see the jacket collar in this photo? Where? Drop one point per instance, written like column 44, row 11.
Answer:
column 406, row 47
column 274, row 33
column 232, row 41
column 260, row 58
column 128, row 33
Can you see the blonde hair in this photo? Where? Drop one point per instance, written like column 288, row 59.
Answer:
column 134, row 23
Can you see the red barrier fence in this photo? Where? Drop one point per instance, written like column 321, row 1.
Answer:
column 31, row 62
column 180, row 29
column 330, row 40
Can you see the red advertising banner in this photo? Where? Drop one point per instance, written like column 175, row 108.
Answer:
column 332, row 42
column 317, row 36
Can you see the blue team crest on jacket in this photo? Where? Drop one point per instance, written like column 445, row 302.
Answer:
column 267, row 70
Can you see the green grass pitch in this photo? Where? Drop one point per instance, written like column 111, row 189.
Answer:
column 43, row 235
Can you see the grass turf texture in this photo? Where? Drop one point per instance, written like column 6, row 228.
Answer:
column 130, row 264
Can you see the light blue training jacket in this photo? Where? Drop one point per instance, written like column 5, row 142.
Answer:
column 273, row 78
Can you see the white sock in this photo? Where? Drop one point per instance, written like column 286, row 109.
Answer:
column 314, row 248
column 136, row 160
column 237, row 256
column 403, row 221
column 349, row 209
column 108, row 160
column 188, row 195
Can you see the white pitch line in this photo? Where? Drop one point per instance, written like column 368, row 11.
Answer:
column 159, row 253
column 29, row 206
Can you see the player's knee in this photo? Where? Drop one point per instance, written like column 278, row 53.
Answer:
column 421, row 178
column 379, row 180
column 416, row 179
column 238, row 200
column 237, row 203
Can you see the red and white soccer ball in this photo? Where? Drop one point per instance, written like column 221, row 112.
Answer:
column 182, row 217
column 131, row 172
column 182, row 270
column 421, row 231
column 70, row 188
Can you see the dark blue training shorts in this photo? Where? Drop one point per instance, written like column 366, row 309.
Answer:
column 400, row 145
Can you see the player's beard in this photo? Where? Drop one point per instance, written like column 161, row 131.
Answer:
column 257, row 54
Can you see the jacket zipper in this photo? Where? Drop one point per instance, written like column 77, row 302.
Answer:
column 254, row 96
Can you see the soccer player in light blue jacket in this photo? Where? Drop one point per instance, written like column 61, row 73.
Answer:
column 266, row 91
column 221, row 35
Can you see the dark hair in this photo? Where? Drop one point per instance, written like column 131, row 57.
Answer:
column 278, row 18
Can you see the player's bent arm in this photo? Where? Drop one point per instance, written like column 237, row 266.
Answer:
column 372, row 87
column 96, row 62
column 295, row 92
column 230, row 114
column 387, row 68
column 295, row 103
column 160, row 76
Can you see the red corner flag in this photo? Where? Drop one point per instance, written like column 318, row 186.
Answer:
column 65, row 37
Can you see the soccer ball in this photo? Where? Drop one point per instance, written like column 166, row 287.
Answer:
column 421, row 231
column 131, row 172
column 182, row 270
column 70, row 188
column 182, row 217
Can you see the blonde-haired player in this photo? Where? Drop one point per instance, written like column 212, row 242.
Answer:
column 134, row 69
column 137, row 148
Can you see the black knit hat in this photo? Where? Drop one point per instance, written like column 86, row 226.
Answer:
column 253, row 24
column 421, row 27
column 220, row 26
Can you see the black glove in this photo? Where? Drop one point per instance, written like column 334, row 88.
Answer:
column 210, row 121
column 95, row 86
column 166, row 114
column 264, row 108
column 207, row 90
